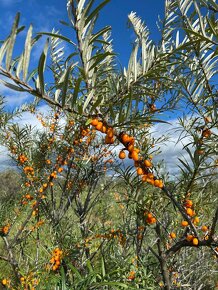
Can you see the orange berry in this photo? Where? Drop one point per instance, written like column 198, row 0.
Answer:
column 149, row 215
column 204, row 228
column 130, row 147
column 109, row 140
column 131, row 275
column 195, row 241
column 150, row 175
column 189, row 238
column 172, row 235
column 125, row 138
column 144, row 178
column 5, row 229
column 184, row 223
column 104, row 129
column 41, row 190
column 54, row 268
column 161, row 185
column 153, row 220
column 150, row 180
column 147, row 163
column 189, row 212
column 196, row 220
column 188, row 203
column 110, row 132
column 57, row 257
column 52, row 260
column 156, row 182
column 135, row 155
column 137, row 150
column 94, row 122
column 99, row 126
column 122, row 155
column 206, row 133
column 139, row 171
column 131, row 140
column 4, row 282
column 148, row 220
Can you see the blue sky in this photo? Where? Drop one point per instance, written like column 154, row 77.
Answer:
column 44, row 15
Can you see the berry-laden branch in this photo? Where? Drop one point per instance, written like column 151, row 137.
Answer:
column 188, row 242
column 144, row 169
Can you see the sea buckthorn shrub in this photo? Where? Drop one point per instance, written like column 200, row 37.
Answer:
column 93, row 206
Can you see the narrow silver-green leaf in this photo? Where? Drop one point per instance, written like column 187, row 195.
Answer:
column 99, row 58
column 185, row 165
column 27, row 51
column 11, row 43
column 65, row 85
column 57, row 94
column 19, row 66
column 96, row 104
column 88, row 99
column 212, row 26
column 63, row 279
column 11, row 86
column 200, row 36
column 88, row 8
column 99, row 33
column 96, row 11
column 32, row 74
column 76, row 91
column 103, row 267
column 80, row 7
column 41, row 67
column 57, row 36
column 3, row 50
column 200, row 17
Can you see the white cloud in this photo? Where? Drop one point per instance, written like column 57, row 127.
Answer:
column 28, row 119
column 172, row 149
